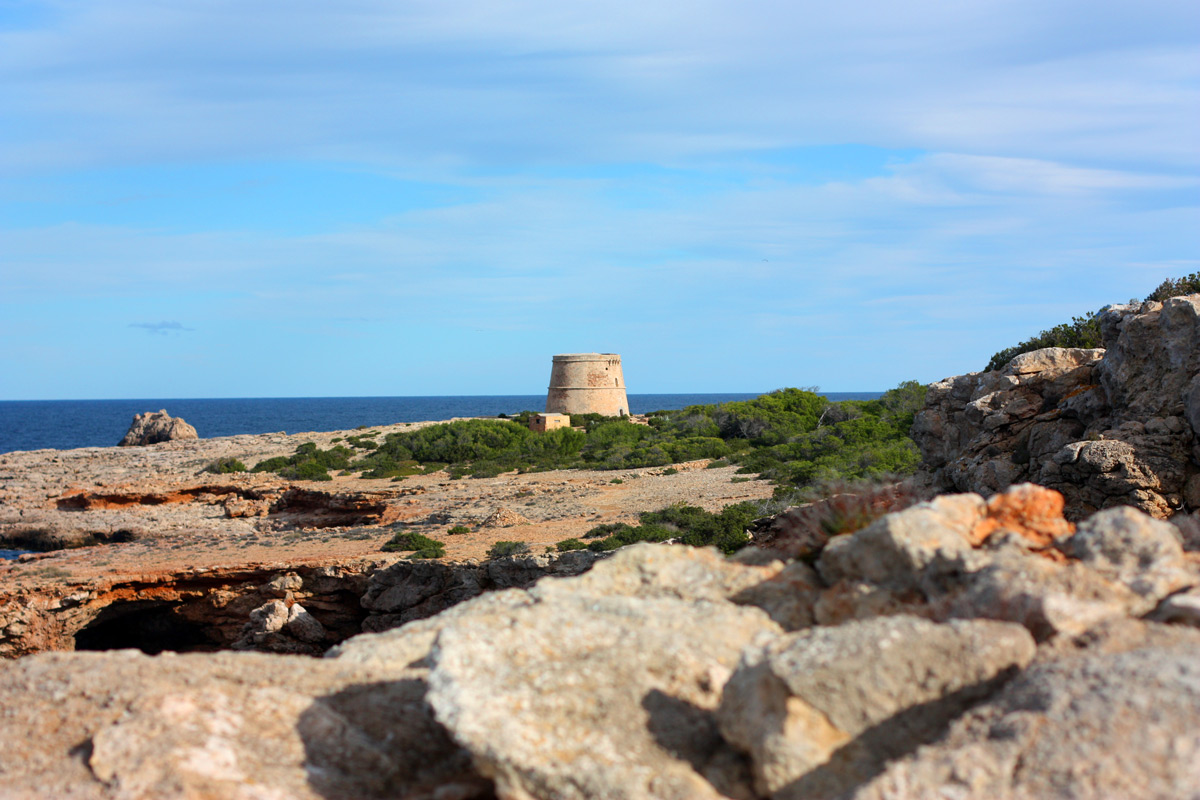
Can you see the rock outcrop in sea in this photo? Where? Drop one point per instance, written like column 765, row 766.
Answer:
column 1106, row 427
column 152, row 427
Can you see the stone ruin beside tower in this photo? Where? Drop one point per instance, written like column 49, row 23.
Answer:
column 587, row 383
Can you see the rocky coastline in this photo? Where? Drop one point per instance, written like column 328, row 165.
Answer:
column 1030, row 631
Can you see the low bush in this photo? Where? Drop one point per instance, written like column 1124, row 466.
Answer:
column 421, row 545
column 570, row 544
column 458, row 530
column 1084, row 331
column 1175, row 287
column 691, row 525
column 225, row 465
column 502, row 549
column 1079, row 332
column 309, row 463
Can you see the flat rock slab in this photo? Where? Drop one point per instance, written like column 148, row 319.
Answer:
column 1116, row 718
column 596, row 696
column 228, row 725
column 819, row 711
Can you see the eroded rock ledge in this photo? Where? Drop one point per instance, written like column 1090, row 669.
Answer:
column 282, row 608
column 1106, row 427
column 958, row 648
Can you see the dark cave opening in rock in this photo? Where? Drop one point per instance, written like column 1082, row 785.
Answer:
column 149, row 626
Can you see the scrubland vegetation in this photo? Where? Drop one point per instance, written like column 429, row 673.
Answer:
column 725, row 530
column 793, row 437
column 1084, row 331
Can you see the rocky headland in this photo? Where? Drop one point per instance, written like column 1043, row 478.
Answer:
column 1106, row 427
column 1003, row 639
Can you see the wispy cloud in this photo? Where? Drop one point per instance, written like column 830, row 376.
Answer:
column 160, row 328
column 422, row 83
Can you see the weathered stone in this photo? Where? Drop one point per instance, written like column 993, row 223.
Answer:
column 898, row 548
column 1048, row 597
column 1182, row 608
column 1105, row 427
column 415, row 589
column 596, row 696
column 789, row 597
column 277, row 628
column 225, row 725
column 647, row 570
column 152, row 427
column 1142, row 553
column 503, row 518
column 1030, row 511
column 304, row 626
column 1111, row 715
column 821, row 710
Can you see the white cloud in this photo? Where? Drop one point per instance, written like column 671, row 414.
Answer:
column 537, row 81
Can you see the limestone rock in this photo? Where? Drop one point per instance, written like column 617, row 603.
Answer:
column 238, row 507
column 596, row 696
column 1106, row 427
column 1110, row 715
column 897, row 549
column 1142, row 553
column 278, row 628
column 600, row 685
column 152, row 427
column 648, row 570
column 503, row 518
column 1027, row 510
column 1050, row 598
column 223, row 725
column 820, row 710
column 410, row 590
column 1182, row 608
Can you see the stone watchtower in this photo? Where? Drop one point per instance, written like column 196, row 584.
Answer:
column 587, row 383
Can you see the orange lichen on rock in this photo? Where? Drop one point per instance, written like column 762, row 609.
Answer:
column 1028, row 510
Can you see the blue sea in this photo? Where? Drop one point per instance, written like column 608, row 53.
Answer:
column 65, row 424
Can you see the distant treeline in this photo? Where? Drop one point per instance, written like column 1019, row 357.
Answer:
column 793, row 437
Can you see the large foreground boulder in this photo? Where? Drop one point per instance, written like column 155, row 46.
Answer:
column 152, row 427
column 1110, row 715
column 243, row 726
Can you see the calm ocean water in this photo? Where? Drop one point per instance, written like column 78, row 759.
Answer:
column 65, row 424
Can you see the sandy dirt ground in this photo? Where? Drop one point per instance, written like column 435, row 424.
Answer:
column 157, row 510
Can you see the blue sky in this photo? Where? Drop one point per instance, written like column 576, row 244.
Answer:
column 241, row 199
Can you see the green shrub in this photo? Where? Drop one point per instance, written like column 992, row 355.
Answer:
column 1084, row 331
column 502, row 549
column 1079, row 332
column 1174, row 287
column 225, row 465
column 688, row 525
column 717, row 464
column 309, row 463
column 458, row 530
column 793, row 437
column 607, row 529
column 570, row 544
column 421, row 545
column 670, row 471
